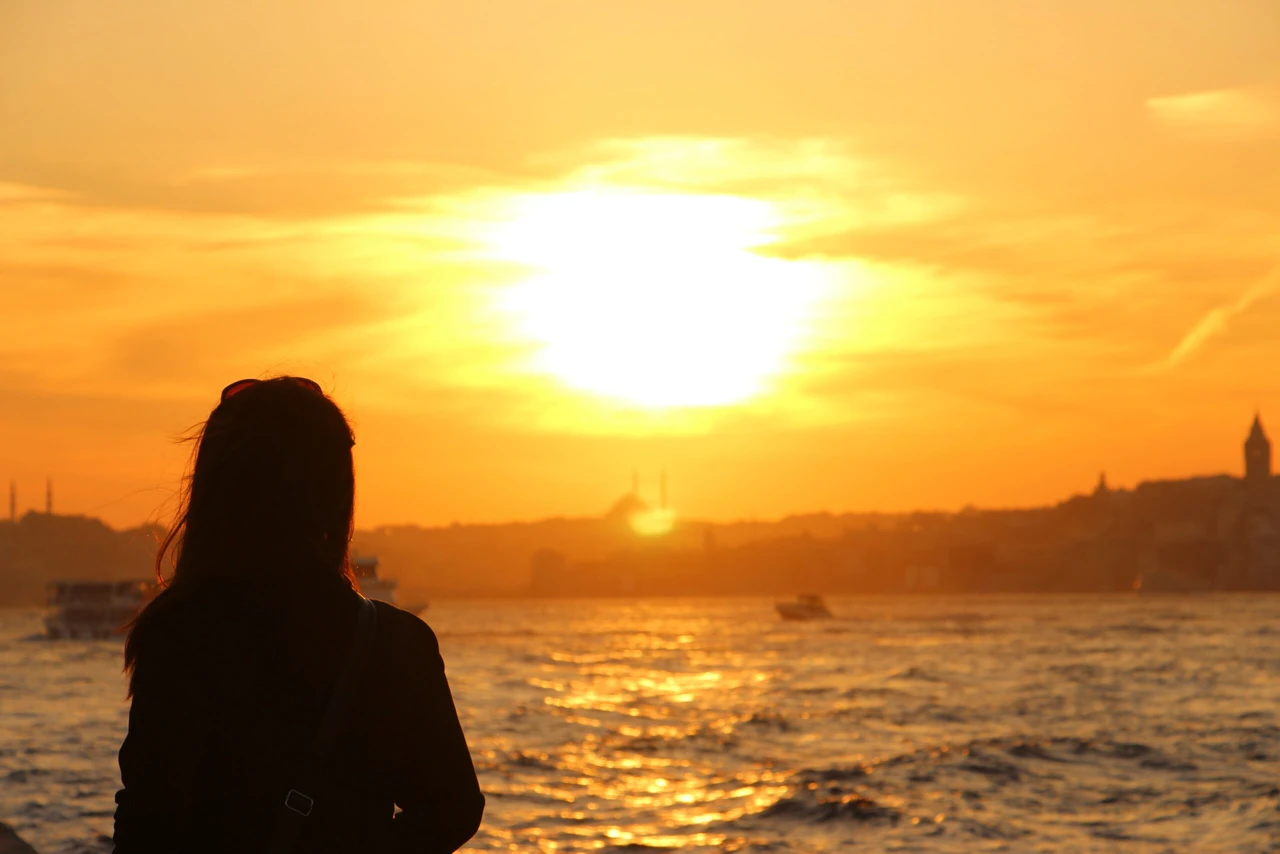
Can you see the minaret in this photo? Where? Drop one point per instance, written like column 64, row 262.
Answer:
column 1257, row 454
column 48, row 496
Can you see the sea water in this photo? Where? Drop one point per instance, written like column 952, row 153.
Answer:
column 1100, row 723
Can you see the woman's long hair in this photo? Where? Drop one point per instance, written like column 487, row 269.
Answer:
column 267, row 503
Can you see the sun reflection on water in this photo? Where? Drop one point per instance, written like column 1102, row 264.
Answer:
column 656, row 725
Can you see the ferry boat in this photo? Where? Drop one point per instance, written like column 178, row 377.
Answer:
column 371, row 586
column 93, row 609
column 807, row 607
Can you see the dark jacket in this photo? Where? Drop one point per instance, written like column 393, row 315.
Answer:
column 227, row 697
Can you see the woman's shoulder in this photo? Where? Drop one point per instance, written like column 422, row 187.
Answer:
column 166, row 616
column 163, row 642
column 408, row 632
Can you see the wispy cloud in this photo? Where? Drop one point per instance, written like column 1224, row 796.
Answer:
column 1217, row 322
column 1219, row 113
column 17, row 194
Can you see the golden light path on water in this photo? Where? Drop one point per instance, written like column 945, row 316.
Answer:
column 654, row 298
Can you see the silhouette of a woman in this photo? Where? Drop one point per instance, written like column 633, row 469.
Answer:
column 234, row 665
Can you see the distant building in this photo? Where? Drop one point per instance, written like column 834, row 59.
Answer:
column 1257, row 454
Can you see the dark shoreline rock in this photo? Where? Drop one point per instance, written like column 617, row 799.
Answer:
column 11, row 842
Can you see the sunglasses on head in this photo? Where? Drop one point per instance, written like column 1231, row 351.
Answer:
column 241, row 385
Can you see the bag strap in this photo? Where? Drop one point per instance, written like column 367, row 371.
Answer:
column 297, row 804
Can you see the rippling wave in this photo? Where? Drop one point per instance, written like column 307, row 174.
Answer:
column 974, row 724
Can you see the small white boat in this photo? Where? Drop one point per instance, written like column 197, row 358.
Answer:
column 371, row 586
column 93, row 609
column 807, row 607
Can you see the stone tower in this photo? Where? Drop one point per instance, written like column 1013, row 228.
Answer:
column 1257, row 454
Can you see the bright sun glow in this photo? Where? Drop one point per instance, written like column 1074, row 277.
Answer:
column 655, row 298
column 653, row 522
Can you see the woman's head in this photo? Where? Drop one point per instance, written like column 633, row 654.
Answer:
column 271, row 489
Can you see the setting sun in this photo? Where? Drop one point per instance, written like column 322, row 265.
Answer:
column 655, row 298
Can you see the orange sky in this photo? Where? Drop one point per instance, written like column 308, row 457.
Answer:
column 808, row 255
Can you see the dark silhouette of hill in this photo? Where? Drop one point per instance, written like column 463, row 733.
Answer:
column 454, row 560
column 1200, row 533
column 42, row 547
column 484, row 560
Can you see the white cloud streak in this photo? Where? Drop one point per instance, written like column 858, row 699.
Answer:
column 1218, row 321
column 1219, row 114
